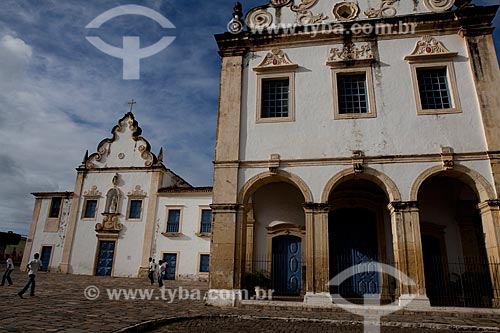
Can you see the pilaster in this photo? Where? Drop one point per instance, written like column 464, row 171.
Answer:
column 229, row 230
column 477, row 32
column 317, row 254
column 64, row 265
column 149, row 229
column 31, row 235
column 223, row 246
column 408, row 253
column 490, row 217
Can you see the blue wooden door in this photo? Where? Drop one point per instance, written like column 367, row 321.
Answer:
column 105, row 258
column 287, row 265
column 171, row 259
column 353, row 241
column 45, row 257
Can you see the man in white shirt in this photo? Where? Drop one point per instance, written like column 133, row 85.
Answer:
column 152, row 269
column 33, row 267
column 8, row 270
column 162, row 270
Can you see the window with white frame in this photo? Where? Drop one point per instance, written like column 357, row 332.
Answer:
column 275, row 97
column 90, row 209
column 275, row 87
column 353, row 93
column 435, row 88
column 135, row 203
column 433, row 77
column 55, row 207
column 206, row 221
column 204, row 263
column 135, row 209
column 173, row 220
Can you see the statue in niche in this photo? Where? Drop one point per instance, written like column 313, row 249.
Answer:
column 113, row 205
column 112, row 201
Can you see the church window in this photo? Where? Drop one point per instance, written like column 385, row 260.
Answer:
column 55, row 207
column 90, row 209
column 351, row 90
column 435, row 88
column 135, row 209
column 275, row 97
column 204, row 263
column 274, row 100
column 206, row 221
column 353, row 93
column 173, row 220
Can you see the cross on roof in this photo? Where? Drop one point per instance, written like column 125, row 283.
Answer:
column 132, row 102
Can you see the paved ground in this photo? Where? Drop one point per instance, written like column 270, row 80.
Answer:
column 61, row 306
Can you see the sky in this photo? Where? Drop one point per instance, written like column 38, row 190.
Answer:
column 60, row 96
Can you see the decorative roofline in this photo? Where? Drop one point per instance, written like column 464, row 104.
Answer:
column 146, row 154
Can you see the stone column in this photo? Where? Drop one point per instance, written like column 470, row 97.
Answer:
column 408, row 254
column 150, row 221
column 29, row 240
column 317, row 255
column 64, row 265
column 477, row 31
column 490, row 216
column 227, row 232
column 250, row 223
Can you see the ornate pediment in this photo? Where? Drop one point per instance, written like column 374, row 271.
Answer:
column 137, row 192
column 125, row 149
column 350, row 53
column 93, row 192
column 275, row 60
column 428, row 48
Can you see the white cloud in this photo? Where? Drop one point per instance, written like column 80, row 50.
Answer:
column 16, row 46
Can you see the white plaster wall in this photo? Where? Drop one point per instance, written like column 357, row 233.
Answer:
column 54, row 239
column 188, row 245
column 275, row 203
column 128, row 250
column 396, row 130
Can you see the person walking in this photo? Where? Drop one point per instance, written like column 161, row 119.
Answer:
column 33, row 267
column 152, row 269
column 160, row 273
column 9, row 269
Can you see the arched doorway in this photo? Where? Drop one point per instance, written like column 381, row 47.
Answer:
column 275, row 236
column 359, row 231
column 455, row 262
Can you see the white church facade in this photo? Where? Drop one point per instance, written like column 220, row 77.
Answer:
column 126, row 207
column 341, row 143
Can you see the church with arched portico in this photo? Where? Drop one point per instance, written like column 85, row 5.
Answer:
column 353, row 135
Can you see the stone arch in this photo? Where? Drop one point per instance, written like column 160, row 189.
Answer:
column 472, row 178
column 268, row 177
column 375, row 176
